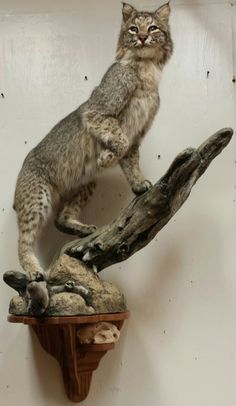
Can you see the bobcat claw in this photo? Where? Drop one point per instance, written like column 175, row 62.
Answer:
column 87, row 230
column 142, row 187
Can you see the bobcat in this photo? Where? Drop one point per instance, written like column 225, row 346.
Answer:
column 59, row 173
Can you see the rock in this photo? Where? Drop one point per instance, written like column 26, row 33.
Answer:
column 98, row 333
column 18, row 306
column 68, row 304
column 104, row 297
column 74, row 289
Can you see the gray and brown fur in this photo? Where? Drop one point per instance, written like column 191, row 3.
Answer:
column 59, row 174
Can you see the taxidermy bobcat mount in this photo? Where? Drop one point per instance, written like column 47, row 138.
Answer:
column 59, row 173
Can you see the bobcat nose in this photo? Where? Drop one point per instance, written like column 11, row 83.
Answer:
column 143, row 38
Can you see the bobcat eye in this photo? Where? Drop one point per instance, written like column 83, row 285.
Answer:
column 153, row 28
column 133, row 29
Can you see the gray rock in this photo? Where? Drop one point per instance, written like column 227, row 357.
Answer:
column 73, row 289
column 18, row 306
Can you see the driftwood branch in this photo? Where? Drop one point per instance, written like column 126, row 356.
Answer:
column 147, row 214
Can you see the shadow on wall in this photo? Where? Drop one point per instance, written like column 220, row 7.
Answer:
column 171, row 278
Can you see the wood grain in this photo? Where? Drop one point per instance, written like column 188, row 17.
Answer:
column 58, row 336
column 68, row 319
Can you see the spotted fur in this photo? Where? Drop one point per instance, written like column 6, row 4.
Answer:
column 58, row 175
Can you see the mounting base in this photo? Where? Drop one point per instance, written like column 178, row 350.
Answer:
column 58, row 336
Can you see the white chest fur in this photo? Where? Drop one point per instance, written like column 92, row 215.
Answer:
column 140, row 112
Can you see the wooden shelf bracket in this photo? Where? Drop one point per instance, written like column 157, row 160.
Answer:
column 58, row 336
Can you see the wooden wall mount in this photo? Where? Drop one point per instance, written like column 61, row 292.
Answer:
column 58, row 336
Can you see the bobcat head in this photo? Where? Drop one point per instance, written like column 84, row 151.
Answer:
column 145, row 34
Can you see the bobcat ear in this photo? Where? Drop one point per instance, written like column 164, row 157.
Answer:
column 163, row 12
column 127, row 11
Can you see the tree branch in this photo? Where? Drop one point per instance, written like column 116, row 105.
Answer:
column 147, row 214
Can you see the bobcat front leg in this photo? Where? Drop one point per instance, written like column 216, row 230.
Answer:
column 130, row 166
column 109, row 135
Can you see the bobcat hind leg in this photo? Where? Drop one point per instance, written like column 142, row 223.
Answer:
column 33, row 204
column 68, row 219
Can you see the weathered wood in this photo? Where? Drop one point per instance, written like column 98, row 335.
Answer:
column 147, row 214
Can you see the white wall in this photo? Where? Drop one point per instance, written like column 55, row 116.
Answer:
column 179, row 346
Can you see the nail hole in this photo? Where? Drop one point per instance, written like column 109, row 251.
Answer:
column 2, row 94
column 86, row 78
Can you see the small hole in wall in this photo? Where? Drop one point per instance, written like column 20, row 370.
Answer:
column 3, row 96
column 234, row 79
column 208, row 74
column 86, row 77
column 158, row 156
column 25, row 142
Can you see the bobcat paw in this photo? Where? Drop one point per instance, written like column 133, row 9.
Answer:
column 38, row 298
column 85, row 229
column 74, row 227
column 106, row 159
column 142, row 187
column 36, row 276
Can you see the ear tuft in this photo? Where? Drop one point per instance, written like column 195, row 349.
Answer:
column 163, row 12
column 127, row 11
